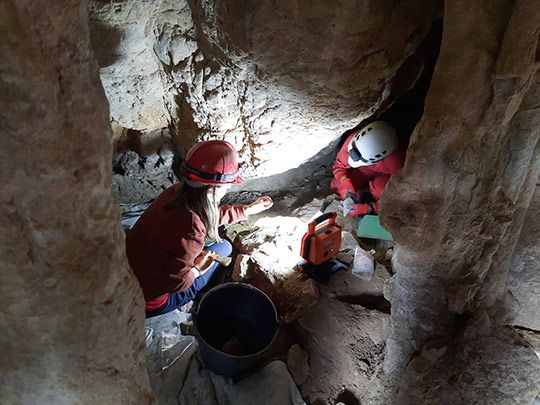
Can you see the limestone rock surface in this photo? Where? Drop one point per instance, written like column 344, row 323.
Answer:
column 274, row 244
column 72, row 312
column 488, row 363
column 524, row 277
column 141, row 178
column 457, row 207
column 256, row 74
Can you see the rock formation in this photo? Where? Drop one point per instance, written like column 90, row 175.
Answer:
column 71, row 313
column 457, row 207
column 281, row 81
column 524, row 272
column 273, row 78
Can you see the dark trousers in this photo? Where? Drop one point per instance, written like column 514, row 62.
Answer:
column 176, row 300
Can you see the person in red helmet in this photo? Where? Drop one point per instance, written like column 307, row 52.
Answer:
column 363, row 166
column 164, row 247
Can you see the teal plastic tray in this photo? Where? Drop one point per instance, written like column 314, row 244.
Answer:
column 370, row 227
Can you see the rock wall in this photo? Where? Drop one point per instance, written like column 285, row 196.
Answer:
column 71, row 313
column 524, row 277
column 457, row 208
column 279, row 80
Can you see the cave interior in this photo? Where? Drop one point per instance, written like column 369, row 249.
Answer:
column 100, row 103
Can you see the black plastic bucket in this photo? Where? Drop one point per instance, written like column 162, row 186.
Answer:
column 235, row 324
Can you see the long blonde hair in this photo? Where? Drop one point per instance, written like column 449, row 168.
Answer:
column 197, row 200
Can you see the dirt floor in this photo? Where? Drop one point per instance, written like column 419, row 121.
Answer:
column 333, row 333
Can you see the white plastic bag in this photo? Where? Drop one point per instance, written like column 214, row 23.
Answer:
column 363, row 264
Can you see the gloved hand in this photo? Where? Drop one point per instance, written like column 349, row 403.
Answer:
column 345, row 187
column 350, row 207
column 346, row 205
column 359, row 209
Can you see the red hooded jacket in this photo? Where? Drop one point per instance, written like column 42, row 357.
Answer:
column 374, row 176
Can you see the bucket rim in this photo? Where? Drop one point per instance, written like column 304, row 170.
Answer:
column 243, row 285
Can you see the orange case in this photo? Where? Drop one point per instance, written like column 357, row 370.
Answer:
column 323, row 240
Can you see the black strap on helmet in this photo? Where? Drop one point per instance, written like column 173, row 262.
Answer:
column 221, row 178
column 355, row 154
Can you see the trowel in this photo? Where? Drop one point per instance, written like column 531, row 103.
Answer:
column 224, row 260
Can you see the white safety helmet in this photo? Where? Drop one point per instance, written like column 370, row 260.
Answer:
column 372, row 143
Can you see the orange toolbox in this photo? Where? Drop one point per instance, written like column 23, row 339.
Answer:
column 322, row 240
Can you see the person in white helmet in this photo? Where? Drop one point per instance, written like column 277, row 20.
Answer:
column 365, row 163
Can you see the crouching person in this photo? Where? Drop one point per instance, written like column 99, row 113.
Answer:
column 365, row 163
column 164, row 247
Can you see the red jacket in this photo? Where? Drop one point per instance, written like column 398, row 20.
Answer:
column 162, row 246
column 374, row 176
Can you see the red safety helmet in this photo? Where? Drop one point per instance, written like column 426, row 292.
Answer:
column 212, row 162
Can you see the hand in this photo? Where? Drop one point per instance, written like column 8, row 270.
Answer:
column 259, row 205
column 359, row 209
column 202, row 264
column 345, row 186
column 346, row 205
column 349, row 207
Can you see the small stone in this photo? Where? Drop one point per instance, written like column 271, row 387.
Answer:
column 363, row 365
column 310, row 288
column 298, row 364
column 49, row 282
column 187, row 328
column 433, row 350
column 187, row 307
column 389, row 253
column 240, row 268
column 345, row 257
column 289, row 317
